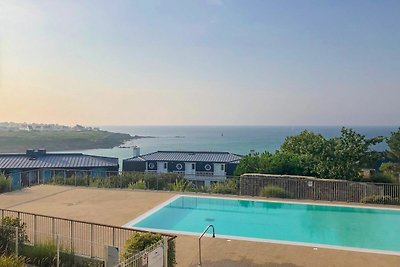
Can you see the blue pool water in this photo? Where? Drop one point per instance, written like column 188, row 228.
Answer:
column 364, row 228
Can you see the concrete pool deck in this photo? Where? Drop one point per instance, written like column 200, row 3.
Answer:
column 117, row 207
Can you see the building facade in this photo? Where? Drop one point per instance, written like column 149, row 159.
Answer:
column 201, row 168
column 38, row 166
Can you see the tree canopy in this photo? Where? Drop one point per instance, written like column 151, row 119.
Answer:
column 392, row 168
column 311, row 154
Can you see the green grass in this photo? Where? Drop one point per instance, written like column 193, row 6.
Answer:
column 19, row 141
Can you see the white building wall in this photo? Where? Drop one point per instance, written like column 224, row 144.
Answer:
column 161, row 167
column 219, row 169
column 188, row 168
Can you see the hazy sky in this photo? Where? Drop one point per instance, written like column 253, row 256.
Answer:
column 200, row 62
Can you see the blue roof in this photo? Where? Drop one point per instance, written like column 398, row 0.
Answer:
column 54, row 161
column 189, row 156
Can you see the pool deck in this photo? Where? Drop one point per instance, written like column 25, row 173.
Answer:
column 117, row 207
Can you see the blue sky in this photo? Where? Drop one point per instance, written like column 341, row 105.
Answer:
column 198, row 62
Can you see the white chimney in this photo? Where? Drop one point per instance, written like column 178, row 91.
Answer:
column 136, row 151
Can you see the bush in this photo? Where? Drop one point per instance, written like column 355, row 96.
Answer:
column 41, row 254
column 229, row 186
column 45, row 254
column 382, row 178
column 138, row 242
column 7, row 234
column 274, row 191
column 171, row 253
column 141, row 184
column 377, row 199
column 181, row 186
column 5, row 184
column 12, row 261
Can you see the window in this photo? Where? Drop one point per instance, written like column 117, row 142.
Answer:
column 222, row 167
column 165, row 165
column 207, row 167
column 193, row 166
column 151, row 165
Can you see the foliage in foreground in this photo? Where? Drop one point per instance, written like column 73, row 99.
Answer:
column 274, row 191
column 8, row 234
column 141, row 184
column 377, row 199
column 138, row 242
column 229, row 186
column 12, row 261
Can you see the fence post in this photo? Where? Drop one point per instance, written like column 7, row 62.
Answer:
column 16, row 240
column 71, row 235
column 53, row 228
column 91, row 240
column 165, row 248
column 113, row 237
column 58, row 251
column 34, row 229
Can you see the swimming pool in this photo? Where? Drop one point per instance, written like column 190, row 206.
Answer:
column 344, row 227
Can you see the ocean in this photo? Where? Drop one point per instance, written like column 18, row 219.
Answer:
column 235, row 139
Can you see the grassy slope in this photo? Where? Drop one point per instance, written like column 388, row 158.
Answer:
column 52, row 140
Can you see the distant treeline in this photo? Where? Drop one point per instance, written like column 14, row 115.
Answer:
column 19, row 141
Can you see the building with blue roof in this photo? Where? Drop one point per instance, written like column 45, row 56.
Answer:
column 199, row 167
column 38, row 166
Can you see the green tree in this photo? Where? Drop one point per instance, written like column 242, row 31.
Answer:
column 8, row 234
column 311, row 154
column 392, row 169
column 277, row 163
column 394, row 145
column 344, row 156
column 249, row 164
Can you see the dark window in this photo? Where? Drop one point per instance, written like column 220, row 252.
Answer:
column 165, row 165
column 222, row 167
column 193, row 166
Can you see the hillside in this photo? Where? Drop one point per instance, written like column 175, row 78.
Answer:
column 19, row 141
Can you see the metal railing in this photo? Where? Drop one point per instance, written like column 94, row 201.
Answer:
column 299, row 187
column 84, row 238
column 142, row 258
column 296, row 187
column 201, row 236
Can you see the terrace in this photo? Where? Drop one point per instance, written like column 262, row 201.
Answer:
column 119, row 206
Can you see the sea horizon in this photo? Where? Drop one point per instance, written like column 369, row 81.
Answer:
column 235, row 139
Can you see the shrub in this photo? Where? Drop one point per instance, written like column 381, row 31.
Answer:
column 382, row 178
column 274, row 191
column 378, row 199
column 12, row 261
column 7, row 234
column 229, row 186
column 5, row 184
column 181, row 186
column 138, row 242
column 41, row 254
column 171, row 253
column 141, row 184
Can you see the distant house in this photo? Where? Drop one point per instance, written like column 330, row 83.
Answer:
column 202, row 168
column 38, row 166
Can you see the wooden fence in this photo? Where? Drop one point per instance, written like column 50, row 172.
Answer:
column 300, row 187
